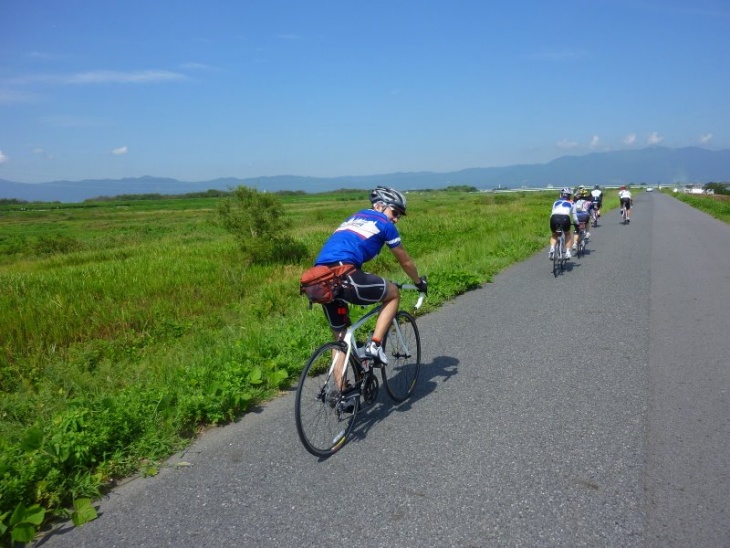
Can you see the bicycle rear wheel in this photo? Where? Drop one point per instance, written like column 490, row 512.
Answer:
column 557, row 255
column 324, row 414
column 403, row 347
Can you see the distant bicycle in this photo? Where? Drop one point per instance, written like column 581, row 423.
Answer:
column 624, row 214
column 339, row 375
column 581, row 240
column 559, row 258
column 594, row 217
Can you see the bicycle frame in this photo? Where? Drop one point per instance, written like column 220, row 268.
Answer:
column 560, row 242
column 581, row 238
column 349, row 338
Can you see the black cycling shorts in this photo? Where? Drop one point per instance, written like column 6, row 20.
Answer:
column 582, row 218
column 359, row 288
column 626, row 202
column 560, row 221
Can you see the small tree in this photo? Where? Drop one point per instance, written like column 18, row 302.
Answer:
column 256, row 220
column 718, row 188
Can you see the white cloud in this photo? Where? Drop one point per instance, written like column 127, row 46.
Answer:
column 120, row 151
column 559, row 55
column 3, row 158
column 111, row 76
column 630, row 139
column 567, row 144
column 44, row 56
column 595, row 142
column 99, row 77
column 67, row 120
column 196, row 66
column 10, row 97
column 38, row 151
column 704, row 139
column 654, row 138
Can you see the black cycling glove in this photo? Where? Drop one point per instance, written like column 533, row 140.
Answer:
column 422, row 285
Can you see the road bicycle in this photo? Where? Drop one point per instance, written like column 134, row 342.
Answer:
column 559, row 258
column 594, row 217
column 339, row 378
column 624, row 214
column 581, row 240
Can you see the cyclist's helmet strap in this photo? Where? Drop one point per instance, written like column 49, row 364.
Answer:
column 390, row 197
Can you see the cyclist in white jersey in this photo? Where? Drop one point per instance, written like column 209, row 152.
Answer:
column 597, row 195
column 624, row 195
column 560, row 217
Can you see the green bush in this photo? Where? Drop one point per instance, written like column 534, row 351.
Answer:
column 256, row 220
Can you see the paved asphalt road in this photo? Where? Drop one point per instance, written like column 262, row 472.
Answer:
column 590, row 409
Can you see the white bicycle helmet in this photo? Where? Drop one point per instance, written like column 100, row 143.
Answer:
column 566, row 192
column 390, row 197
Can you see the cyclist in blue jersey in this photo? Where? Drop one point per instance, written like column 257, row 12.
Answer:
column 356, row 241
column 581, row 214
column 560, row 218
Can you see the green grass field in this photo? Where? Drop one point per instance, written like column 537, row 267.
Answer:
column 127, row 326
column 716, row 205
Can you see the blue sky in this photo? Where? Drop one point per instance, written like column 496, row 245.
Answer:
column 197, row 90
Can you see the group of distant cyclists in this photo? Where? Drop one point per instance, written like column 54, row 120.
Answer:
column 574, row 209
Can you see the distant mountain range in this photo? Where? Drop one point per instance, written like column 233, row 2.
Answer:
column 655, row 165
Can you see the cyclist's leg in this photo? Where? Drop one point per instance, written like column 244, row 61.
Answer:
column 338, row 316
column 574, row 240
column 554, row 225
column 391, row 302
column 365, row 288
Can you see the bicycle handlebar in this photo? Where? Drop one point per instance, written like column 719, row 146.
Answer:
column 421, row 295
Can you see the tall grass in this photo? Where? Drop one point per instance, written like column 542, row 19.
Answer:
column 717, row 205
column 128, row 326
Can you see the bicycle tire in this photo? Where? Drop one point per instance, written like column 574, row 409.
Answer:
column 556, row 258
column 324, row 424
column 404, row 360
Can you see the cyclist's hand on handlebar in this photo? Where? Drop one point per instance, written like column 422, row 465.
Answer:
column 422, row 285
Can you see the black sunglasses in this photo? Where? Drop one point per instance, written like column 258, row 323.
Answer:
column 396, row 213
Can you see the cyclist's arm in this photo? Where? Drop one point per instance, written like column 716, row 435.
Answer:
column 406, row 263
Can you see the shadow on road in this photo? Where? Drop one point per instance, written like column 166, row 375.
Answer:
column 440, row 370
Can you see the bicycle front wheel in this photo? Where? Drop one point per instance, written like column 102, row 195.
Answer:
column 324, row 408
column 402, row 345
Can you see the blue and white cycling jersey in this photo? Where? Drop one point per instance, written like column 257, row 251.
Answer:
column 580, row 210
column 562, row 207
column 359, row 239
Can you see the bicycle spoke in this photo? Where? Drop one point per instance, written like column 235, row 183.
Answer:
column 324, row 417
column 402, row 345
